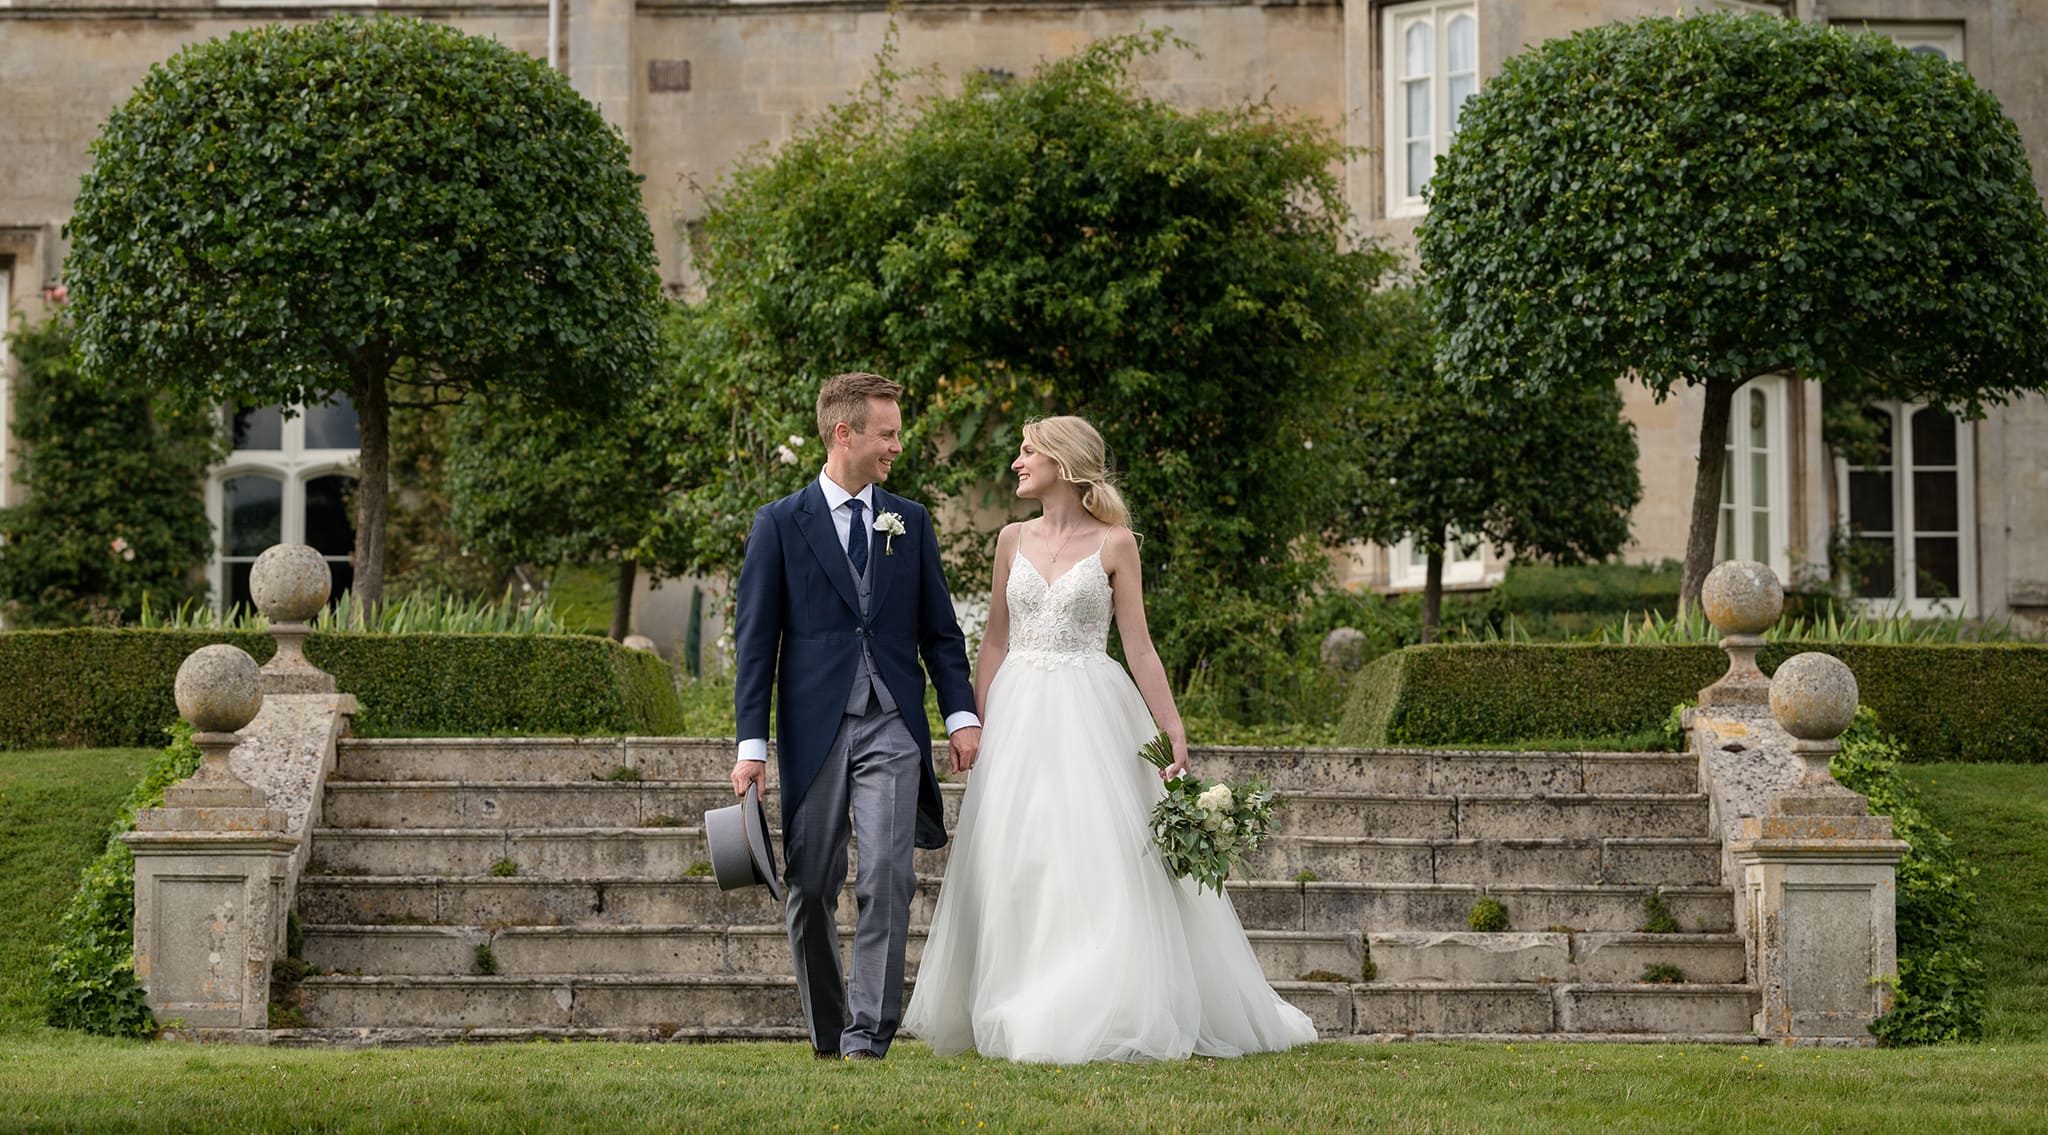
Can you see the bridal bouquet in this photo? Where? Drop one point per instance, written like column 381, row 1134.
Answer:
column 1205, row 830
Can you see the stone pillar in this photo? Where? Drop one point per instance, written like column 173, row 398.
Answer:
column 1819, row 877
column 211, row 866
column 290, row 583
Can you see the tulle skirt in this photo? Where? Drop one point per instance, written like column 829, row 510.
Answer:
column 1059, row 936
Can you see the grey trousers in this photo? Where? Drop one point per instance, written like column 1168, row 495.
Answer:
column 871, row 774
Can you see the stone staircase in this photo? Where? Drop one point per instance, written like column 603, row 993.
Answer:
column 494, row 888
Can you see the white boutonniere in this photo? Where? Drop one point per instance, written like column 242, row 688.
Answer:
column 890, row 526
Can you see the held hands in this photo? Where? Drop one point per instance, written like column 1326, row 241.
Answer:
column 746, row 772
column 966, row 747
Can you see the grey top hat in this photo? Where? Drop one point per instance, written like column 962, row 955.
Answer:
column 741, row 855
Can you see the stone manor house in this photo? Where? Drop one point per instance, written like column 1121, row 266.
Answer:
column 1958, row 516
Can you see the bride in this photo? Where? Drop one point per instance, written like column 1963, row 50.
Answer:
column 1059, row 935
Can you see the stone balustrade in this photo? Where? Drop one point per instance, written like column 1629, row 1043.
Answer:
column 1816, row 873
column 217, row 867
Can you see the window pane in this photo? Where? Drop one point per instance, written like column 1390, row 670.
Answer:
column 1724, row 540
column 1417, row 96
column 261, row 428
column 1418, row 167
column 1934, row 502
column 332, row 426
column 1875, row 558
column 1760, row 481
column 1418, row 47
column 1462, row 87
column 1759, row 420
column 1870, row 501
column 343, row 574
column 328, row 529
column 254, row 507
column 1728, row 480
column 1759, row 535
column 238, row 594
column 1939, row 570
column 1934, row 437
column 1463, row 39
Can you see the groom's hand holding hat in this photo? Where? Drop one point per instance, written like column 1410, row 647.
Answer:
column 746, row 772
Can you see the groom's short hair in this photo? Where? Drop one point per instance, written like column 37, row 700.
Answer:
column 844, row 398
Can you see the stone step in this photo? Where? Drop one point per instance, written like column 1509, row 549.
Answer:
column 703, row 1005
column 1341, row 907
column 1440, row 1008
column 506, row 804
column 514, row 951
column 1402, row 957
column 660, row 853
column 1381, row 771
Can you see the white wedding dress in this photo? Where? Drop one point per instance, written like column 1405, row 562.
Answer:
column 1059, row 936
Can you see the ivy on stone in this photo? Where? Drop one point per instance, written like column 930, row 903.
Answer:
column 290, row 212
column 1701, row 200
column 115, row 512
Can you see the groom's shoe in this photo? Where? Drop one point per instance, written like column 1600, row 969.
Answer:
column 863, row 1054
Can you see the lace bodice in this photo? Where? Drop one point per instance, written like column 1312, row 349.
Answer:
column 1066, row 619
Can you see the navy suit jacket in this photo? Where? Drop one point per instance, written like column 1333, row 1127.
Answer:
column 798, row 631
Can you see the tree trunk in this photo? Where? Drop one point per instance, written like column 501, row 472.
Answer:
column 1706, row 492
column 622, row 601
column 372, row 397
column 1433, row 591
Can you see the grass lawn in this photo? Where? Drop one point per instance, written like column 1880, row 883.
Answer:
column 54, row 812
column 66, row 1083
column 1998, row 815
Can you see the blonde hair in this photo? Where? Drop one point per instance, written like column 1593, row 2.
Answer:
column 1083, row 459
column 844, row 398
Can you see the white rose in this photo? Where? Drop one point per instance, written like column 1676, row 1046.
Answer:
column 1215, row 798
column 1211, row 822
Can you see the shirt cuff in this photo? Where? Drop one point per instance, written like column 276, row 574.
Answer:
column 965, row 719
column 754, row 749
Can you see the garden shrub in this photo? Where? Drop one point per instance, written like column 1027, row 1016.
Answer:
column 91, row 982
column 1940, row 991
column 1944, row 702
column 112, row 687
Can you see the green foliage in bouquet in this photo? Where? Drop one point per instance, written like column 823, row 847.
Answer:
column 1206, row 830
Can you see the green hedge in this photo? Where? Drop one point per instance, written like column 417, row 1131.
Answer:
column 1945, row 702
column 99, row 687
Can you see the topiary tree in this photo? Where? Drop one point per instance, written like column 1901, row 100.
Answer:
column 114, row 512
column 1051, row 244
column 290, row 212
column 1702, row 200
column 1545, row 478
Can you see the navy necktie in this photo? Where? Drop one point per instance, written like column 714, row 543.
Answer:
column 857, row 538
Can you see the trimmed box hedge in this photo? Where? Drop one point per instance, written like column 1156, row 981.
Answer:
column 1946, row 702
column 98, row 687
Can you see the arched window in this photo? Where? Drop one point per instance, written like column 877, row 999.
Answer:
column 289, row 479
column 1431, row 56
column 1754, row 500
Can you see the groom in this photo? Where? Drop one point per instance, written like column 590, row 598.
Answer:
column 840, row 595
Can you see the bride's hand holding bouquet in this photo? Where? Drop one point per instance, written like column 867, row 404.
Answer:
column 1204, row 831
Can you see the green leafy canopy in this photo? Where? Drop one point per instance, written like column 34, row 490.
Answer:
column 271, row 206
column 1716, row 197
column 1059, row 243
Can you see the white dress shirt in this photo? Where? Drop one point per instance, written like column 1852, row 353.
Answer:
column 756, row 748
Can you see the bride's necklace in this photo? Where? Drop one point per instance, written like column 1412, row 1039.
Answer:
column 1063, row 546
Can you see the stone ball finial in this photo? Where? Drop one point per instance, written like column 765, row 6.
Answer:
column 1343, row 649
column 1813, row 696
column 219, row 689
column 1742, row 597
column 290, row 583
